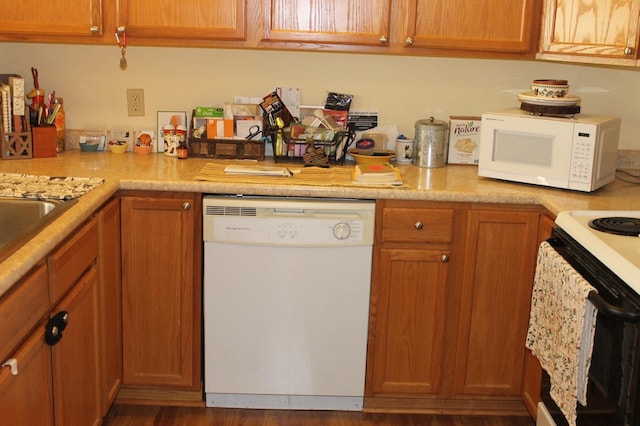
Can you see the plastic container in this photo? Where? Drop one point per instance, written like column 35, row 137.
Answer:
column 431, row 143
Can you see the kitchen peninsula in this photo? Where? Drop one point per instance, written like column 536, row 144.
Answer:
column 458, row 201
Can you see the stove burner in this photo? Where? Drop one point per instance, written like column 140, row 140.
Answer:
column 628, row 226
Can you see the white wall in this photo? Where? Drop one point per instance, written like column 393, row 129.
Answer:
column 401, row 89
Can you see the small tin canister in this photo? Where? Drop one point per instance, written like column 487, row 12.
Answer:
column 431, row 143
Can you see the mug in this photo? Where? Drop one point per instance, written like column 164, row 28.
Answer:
column 404, row 151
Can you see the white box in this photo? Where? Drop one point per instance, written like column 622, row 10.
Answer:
column 464, row 140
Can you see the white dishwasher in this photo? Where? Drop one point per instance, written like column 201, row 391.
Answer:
column 286, row 301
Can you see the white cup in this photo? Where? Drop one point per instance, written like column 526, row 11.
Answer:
column 404, row 151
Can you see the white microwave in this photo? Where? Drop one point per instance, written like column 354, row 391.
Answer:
column 578, row 153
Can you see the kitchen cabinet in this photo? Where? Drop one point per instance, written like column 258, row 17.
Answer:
column 161, row 292
column 76, row 356
column 590, row 32
column 349, row 22
column 166, row 23
column 450, row 306
column 26, row 392
column 501, row 247
column 70, row 21
column 58, row 378
column 110, row 289
column 415, row 250
column 496, row 26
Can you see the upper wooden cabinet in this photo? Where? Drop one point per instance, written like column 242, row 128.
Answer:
column 188, row 19
column 33, row 20
column 352, row 22
column 492, row 25
column 591, row 32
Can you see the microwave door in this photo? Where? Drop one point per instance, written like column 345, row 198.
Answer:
column 527, row 153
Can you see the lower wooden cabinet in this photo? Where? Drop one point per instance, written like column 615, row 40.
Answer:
column 501, row 247
column 411, row 287
column 76, row 357
column 110, row 303
column 449, row 313
column 54, row 316
column 26, row 397
column 161, row 290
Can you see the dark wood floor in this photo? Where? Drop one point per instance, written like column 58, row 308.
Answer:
column 135, row 415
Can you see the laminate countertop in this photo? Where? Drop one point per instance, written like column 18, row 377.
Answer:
column 157, row 172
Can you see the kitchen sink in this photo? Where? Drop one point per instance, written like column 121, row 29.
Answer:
column 22, row 218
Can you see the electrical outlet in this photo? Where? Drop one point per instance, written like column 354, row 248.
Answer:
column 135, row 102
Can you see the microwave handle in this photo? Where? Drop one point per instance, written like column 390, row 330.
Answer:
column 612, row 311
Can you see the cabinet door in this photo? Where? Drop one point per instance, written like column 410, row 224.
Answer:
column 188, row 19
column 76, row 357
column 407, row 324
column 26, row 398
column 491, row 25
column 161, row 291
column 599, row 32
column 110, row 303
column 496, row 294
column 32, row 18
column 354, row 22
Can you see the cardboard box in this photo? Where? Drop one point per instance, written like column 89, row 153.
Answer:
column 209, row 112
column 464, row 140
column 219, row 128
column 45, row 141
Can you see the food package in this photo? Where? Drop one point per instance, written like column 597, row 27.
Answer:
column 464, row 139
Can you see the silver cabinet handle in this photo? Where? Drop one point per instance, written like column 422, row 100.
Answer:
column 418, row 225
column 121, row 29
column 408, row 41
column 627, row 51
column 186, row 206
column 444, row 258
column 94, row 29
column 383, row 39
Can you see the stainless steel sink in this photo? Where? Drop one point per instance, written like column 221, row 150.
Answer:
column 23, row 218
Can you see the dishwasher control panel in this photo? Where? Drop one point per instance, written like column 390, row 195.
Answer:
column 288, row 221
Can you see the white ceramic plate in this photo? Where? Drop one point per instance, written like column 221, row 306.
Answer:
column 530, row 98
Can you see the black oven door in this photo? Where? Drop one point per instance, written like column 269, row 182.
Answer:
column 613, row 397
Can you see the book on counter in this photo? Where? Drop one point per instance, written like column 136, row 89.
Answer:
column 377, row 174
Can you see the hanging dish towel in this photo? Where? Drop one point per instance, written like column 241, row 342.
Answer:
column 561, row 328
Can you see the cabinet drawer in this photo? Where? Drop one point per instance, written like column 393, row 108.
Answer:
column 69, row 262
column 415, row 225
column 25, row 304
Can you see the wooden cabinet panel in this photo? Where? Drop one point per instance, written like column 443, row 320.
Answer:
column 415, row 224
column 354, row 22
column 161, row 290
column 598, row 32
column 22, row 308
column 190, row 19
column 493, row 25
column 410, row 287
column 494, row 311
column 70, row 261
column 76, row 357
column 32, row 18
column 25, row 398
column 110, row 289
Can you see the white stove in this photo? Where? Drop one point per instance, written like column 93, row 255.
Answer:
column 620, row 253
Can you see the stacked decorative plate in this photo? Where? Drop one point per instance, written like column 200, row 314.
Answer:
column 549, row 96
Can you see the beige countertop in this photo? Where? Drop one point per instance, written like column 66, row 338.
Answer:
column 157, row 172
